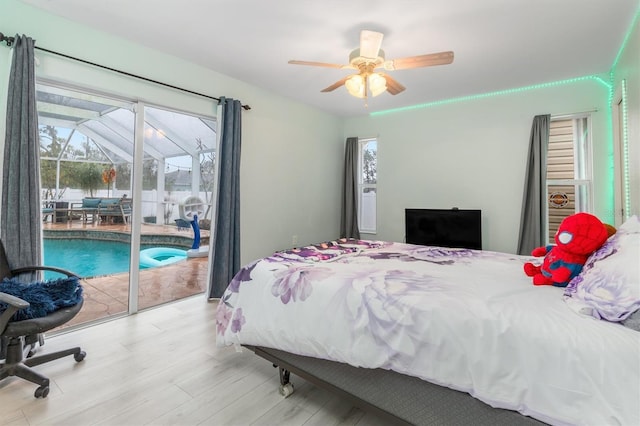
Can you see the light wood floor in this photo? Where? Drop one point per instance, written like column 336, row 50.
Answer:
column 162, row 367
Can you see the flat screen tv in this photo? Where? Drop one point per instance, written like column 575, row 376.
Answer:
column 444, row 228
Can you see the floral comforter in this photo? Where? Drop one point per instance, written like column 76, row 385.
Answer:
column 470, row 320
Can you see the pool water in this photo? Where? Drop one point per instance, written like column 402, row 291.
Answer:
column 87, row 258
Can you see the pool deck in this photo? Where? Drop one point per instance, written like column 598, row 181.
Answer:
column 109, row 295
column 147, row 229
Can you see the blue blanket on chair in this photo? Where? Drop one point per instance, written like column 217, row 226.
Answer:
column 44, row 297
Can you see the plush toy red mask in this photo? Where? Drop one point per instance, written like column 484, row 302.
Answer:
column 578, row 236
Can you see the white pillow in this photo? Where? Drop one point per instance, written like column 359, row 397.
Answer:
column 609, row 285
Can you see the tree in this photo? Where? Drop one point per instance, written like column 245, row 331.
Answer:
column 48, row 167
column 123, row 171
column 150, row 174
column 370, row 166
column 207, row 174
column 90, row 151
column 53, row 149
column 73, row 174
column 89, row 177
column 169, row 183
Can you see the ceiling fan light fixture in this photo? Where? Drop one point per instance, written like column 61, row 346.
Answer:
column 355, row 86
column 369, row 57
column 377, row 84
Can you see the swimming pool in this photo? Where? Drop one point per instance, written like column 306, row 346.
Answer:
column 87, row 257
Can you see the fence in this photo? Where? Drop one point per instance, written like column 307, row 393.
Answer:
column 155, row 208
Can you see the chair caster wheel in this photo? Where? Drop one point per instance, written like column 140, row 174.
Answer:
column 286, row 390
column 79, row 356
column 41, row 392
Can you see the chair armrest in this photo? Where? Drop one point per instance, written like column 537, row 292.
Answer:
column 14, row 304
column 13, row 301
column 126, row 206
column 108, row 208
column 26, row 269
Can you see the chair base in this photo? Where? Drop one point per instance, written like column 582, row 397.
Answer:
column 16, row 365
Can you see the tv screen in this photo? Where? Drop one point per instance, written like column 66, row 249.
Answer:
column 444, row 228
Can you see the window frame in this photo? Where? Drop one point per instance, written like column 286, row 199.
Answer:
column 583, row 168
column 362, row 144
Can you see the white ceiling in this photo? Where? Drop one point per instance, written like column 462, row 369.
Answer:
column 498, row 44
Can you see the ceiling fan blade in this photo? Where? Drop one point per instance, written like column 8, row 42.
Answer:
column 393, row 86
column 335, row 85
column 441, row 58
column 320, row 64
column 370, row 42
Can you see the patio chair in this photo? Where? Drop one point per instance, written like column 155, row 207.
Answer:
column 19, row 337
column 182, row 224
column 115, row 210
column 48, row 210
column 88, row 207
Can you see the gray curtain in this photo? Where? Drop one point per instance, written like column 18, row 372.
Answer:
column 226, row 239
column 349, row 214
column 20, row 212
column 533, row 215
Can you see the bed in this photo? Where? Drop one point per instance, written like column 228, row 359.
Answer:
column 434, row 335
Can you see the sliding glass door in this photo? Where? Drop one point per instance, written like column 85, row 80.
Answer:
column 86, row 155
column 178, row 166
column 122, row 184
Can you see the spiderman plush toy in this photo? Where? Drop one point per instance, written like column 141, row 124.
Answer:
column 578, row 236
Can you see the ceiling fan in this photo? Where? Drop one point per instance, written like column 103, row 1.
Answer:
column 369, row 57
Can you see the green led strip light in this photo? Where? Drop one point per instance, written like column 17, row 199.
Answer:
column 498, row 93
column 609, row 193
column 626, row 38
column 625, row 153
column 626, row 196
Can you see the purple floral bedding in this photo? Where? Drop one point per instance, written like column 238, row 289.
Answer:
column 330, row 250
column 466, row 319
column 609, row 285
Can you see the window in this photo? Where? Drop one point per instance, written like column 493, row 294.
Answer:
column 367, row 179
column 83, row 134
column 568, row 177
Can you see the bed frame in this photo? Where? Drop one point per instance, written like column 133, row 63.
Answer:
column 396, row 398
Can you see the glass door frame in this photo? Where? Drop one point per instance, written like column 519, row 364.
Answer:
column 136, row 214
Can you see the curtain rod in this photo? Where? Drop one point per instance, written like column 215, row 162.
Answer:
column 574, row 113
column 9, row 41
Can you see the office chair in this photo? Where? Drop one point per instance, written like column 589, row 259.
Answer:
column 18, row 338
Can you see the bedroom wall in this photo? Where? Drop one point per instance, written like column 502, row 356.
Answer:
column 467, row 154
column 282, row 140
column 472, row 154
column 628, row 68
